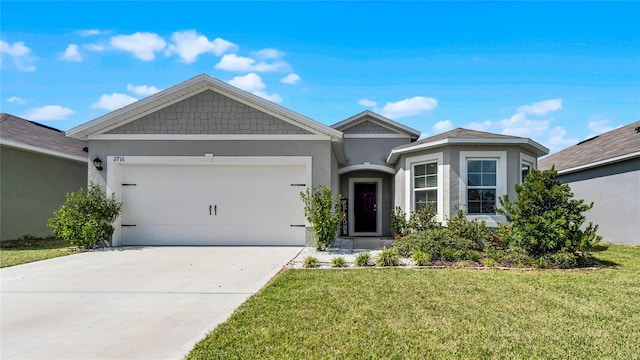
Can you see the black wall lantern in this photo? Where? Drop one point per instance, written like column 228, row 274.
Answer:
column 97, row 163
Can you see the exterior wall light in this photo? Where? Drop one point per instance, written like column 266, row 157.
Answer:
column 97, row 163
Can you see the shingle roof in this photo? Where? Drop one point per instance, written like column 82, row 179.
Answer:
column 21, row 131
column 619, row 142
column 459, row 133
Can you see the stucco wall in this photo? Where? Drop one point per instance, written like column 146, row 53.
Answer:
column 373, row 150
column 33, row 186
column 615, row 191
column 208, row 113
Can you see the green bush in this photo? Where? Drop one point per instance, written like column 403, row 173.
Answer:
column 562, row 260
column 338, row 262
column 310, row 262
column 545, row 218
column 474, row 230
column 86, row 218
column 420, row 258
column 489, row 262
column 363, row 259
column 388, row 257
column 449, row 254
column 423, row 219
column 324, row 213
column 399, row 223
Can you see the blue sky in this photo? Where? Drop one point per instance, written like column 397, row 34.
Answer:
column 557, row 72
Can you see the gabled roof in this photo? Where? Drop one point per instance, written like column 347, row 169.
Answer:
column 189, row 88
column 28, row 135
column 460, row 136
column 384, row 121
column 613, row 146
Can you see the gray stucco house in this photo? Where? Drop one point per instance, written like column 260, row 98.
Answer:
column 39, row 165
column 205, row 163
column 605, row 170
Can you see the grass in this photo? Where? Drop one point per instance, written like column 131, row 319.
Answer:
column 440, row 314
column 16, row 252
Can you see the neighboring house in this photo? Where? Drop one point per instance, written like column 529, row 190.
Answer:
column 205, row 163
column 605, row 170
column 39, row 165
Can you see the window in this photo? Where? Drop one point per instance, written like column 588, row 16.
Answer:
column 526, row 165
column 525, row 169
column 425, row 185
column 481, row 186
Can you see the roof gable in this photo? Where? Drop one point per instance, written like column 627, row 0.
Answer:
column 187, row 89
column 622, row 142
column 21, row 133
column 208, row 112
column 368, row 122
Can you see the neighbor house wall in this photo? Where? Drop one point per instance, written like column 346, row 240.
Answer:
column 33, row 186
column 615, row 191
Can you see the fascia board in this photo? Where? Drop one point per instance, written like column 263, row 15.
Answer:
column 41, row 150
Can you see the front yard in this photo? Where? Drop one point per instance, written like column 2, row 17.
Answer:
column 16, row 252
column 447, row 313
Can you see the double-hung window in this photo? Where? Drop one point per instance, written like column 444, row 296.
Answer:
column 425, row 185
column 481, row 186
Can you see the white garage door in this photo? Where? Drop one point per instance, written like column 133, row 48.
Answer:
column 212, row 205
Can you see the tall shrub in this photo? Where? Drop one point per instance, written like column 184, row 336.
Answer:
column 86, row 217
column 545, row 218
column 324, row 214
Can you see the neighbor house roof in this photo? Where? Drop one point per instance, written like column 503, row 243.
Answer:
column 189, row 88
column 23, row 134
column 460, row 136
column 367, row 115
column 613, row 146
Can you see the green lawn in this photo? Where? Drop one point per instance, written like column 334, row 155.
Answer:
column 451, row 313
column 16, row 252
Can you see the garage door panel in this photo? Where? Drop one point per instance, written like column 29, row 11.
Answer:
column 251, row 205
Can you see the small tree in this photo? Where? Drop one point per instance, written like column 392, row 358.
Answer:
column 324, row 213
column 86, row 218
column 545, row 218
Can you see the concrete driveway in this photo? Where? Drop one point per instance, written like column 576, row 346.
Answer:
column 129, row 303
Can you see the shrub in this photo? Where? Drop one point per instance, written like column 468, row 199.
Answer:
column 310, row 262
column 420, row 258
column 324, row 213
column 489, row 262
column 86, row 218
column 388, row 257
column 545, row 218
column 423, row 219
column 518, row 257
column 562, row 260
column 471, row 255
column 474, row 230
column 449, row 254
column 363, row 259
column 399, row 223
column 461, row 264
column 338, row 262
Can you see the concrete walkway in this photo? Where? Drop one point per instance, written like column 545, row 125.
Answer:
column 128, row 303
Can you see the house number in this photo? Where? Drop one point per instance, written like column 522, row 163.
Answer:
column 118, row 158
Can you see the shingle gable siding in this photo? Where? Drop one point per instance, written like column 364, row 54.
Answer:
column 208, row 113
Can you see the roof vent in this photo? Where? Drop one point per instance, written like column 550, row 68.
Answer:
column 638, row 130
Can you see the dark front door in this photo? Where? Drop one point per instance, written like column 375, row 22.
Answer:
column 365, row 207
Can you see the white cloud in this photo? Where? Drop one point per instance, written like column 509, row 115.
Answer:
column 142, row 90
column 367, row 103
column 597, row 127
column 113, row 101
column 93, row 47
column 253, row 83
column 479, row 125
column 556, row 139
column 91, row 32
column 189, row 44
column 519, row 125
column 20, row 53
column 442, row 126
column 49, row 112
column 16, row 100
column 233, row 62
column 541, row 108
column 409, row 107
column 266, row 54
column 72, row 53
column 143, row 45
column 290, row 79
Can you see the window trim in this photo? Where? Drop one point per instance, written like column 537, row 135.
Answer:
column 528, row 160
column 410, row 162
column 501, row 175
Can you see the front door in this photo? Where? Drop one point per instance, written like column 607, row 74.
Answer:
column 365, row 207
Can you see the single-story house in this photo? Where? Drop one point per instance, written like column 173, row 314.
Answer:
column 39, row 165
column 205, row 163
column 605, row 170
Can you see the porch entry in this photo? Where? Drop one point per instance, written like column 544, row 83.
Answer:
column 365, row 212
